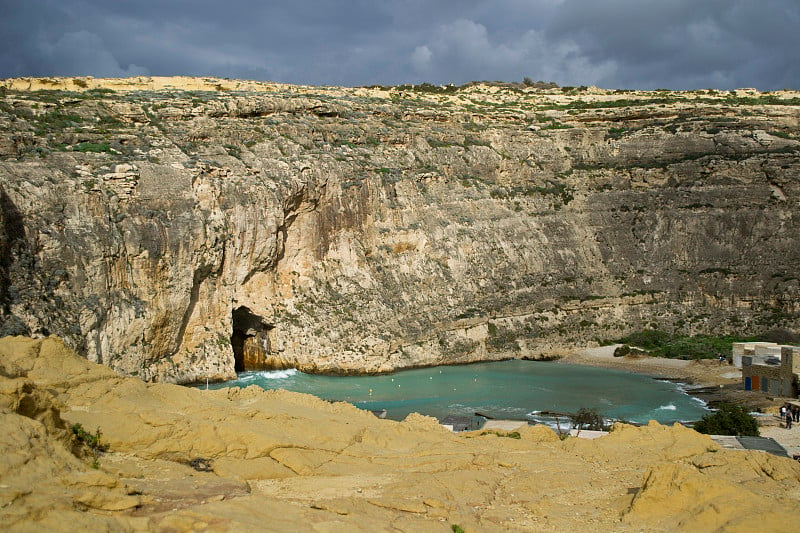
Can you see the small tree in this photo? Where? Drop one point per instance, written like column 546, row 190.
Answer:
column 589, row 419
column 730, row 419
column 622, row 351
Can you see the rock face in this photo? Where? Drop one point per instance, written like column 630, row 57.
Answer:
column 179, row 229
column 272, row 460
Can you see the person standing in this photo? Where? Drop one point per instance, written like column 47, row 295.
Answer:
column 788, row 419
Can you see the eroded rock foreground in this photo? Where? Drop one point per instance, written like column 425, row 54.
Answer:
column 177, row 229
column 280, row 460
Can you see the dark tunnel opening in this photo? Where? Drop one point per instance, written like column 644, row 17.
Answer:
column 250, row 341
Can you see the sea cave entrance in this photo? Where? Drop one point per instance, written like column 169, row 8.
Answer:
column 250, row 341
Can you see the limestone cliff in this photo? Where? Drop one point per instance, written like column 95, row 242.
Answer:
column 177, row 229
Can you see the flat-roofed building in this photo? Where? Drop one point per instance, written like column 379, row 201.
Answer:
column 770, row 373
column 758, row 351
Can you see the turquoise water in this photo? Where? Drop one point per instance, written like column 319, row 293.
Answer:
column 507, row 389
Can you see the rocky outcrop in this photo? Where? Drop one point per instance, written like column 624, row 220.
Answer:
column 179, row 229
column 187, row 459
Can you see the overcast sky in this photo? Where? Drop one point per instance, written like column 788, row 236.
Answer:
column 638, row 44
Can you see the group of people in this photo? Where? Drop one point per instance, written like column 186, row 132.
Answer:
column 790, row 414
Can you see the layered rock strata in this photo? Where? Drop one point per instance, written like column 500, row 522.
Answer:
column 180, row 229
column 182, row 459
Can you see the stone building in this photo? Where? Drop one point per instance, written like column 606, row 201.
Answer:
column 760, row 352
column 768, row 371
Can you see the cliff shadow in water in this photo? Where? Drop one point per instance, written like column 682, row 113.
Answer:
column 12, row 241
column 250, row 341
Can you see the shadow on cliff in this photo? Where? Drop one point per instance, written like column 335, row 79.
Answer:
column 12, row 241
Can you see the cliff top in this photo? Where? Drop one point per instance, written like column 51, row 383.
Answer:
column 211, row 84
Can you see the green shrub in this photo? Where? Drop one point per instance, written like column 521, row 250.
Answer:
column 616, row 133
column 508, row 434
column 622, row 351
column 662, row 344
column 648, row 339
column 730, row 419
column 56, row 121
column 91, row 147
column 89, row 442
column 589, row 419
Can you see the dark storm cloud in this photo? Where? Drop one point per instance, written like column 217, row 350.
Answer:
column 694, row 44
column 678, row 44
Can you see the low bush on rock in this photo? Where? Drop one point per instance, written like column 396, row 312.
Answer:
column 730, row 419
column 89, row 442
column 589, row 419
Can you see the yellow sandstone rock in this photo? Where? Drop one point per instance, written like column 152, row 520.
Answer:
column 281, row 461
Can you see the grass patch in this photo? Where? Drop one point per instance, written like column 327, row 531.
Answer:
column 91, row 147
column 429, row 88
column 510, row 434
column 56, row 121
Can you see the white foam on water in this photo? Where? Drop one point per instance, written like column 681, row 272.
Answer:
column 698, row 400
column 668, row 407
column 278, row 374
column 247, row 377
column 563, row 423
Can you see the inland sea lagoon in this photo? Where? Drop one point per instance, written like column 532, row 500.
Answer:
column 519, row 390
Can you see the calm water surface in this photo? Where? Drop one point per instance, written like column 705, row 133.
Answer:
column 508, row 389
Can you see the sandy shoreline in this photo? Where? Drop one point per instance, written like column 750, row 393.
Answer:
column 708, row 380
column 705, row 373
